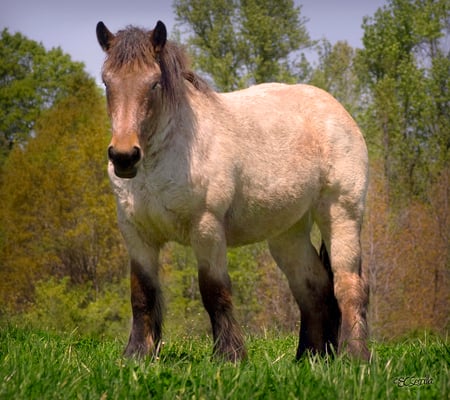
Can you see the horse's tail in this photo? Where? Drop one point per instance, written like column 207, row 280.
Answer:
column 325, row 258
column 333, row 322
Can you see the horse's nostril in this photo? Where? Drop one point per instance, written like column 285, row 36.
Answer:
column 136, row 154
column 124, row 157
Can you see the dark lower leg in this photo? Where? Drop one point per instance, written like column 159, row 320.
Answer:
column 332, row 323
column 146, row 303
column 216, row 296
column 319, row 325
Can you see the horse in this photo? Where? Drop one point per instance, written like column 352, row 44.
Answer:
column 211, row 170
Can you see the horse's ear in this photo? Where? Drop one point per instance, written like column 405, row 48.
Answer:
column 159, row 37
column 104, row 36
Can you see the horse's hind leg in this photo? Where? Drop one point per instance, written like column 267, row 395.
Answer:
column 340, row 225
column 312, row 287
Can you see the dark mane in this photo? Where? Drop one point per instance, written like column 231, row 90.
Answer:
column 175, row 70
column 132, row 48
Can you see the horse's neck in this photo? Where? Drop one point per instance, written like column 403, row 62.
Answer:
column 193, row 124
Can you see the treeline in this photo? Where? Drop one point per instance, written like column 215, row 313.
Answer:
column 62, row 261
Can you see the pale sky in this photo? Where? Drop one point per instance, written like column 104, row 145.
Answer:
column 71, row 24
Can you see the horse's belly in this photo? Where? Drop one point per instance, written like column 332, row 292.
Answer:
column 252, row 223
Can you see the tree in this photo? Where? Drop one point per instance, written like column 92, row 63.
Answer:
column 243, row 42
column 336, row 74
column 406, row 68
column 60, row 221
column 406, row 259
column 31, row 80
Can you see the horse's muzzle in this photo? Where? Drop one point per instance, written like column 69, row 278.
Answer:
column 125, row 163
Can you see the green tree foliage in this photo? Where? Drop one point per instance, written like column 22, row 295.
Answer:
column 60, row 250
column 336, row 74
column 243, row 42
column 62, row 307
column 406, row 67
column 59, row 220
column 31, row 80
column 406, row 258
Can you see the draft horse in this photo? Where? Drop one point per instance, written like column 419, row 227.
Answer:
column 212, row 170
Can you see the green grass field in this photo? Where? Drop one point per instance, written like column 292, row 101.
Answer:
column 39, row 365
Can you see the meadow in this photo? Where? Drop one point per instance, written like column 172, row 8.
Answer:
column 41, row 365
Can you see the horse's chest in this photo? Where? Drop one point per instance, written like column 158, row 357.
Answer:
column 159, row 214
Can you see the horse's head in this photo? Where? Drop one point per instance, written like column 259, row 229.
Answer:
column 132, row 77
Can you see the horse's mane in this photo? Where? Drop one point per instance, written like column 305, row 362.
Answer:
column 175, row 68
column 132, row 47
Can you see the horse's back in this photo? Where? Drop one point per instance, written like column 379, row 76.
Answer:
column 299, row 124
column 294, row 117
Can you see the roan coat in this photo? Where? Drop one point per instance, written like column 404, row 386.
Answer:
column 213, row 170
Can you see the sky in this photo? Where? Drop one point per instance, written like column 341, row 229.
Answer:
column 71, row 24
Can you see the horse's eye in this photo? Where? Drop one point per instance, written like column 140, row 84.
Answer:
column 156, row 85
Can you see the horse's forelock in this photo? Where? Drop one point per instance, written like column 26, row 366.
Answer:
column 132, row 48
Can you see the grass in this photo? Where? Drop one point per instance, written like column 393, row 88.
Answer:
column 39, row 365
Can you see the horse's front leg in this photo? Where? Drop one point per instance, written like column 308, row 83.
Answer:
column 209, row 244
column 146, row 304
